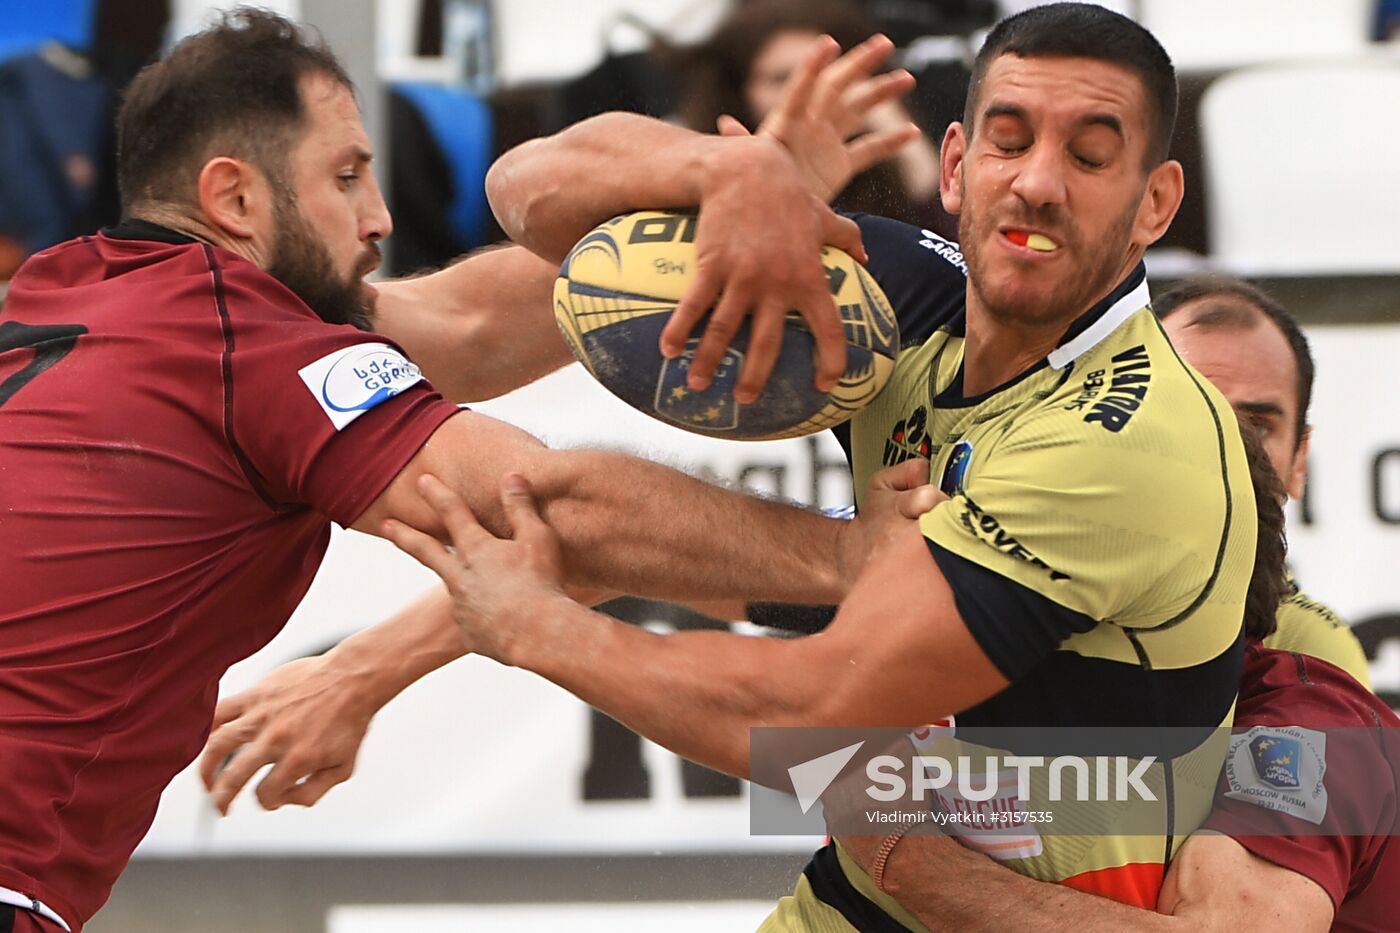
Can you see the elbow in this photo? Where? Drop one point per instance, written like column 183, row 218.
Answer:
column 510, row 191
column 526, row 189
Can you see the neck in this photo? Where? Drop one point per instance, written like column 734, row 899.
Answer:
column 183, row 221
column 997, row 350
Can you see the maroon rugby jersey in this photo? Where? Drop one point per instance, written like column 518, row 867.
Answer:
column 1315, row 761
column 177, row 432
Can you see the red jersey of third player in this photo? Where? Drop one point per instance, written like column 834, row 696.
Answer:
column 1312, row 783
column 176, row 430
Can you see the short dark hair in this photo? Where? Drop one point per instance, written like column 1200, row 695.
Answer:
column 1267, row 584
column 233, row 89
column 1238, row 303
column 1085, row 30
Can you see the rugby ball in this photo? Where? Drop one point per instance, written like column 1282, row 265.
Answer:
column 617, row 289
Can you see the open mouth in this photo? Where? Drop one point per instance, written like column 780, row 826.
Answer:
column 1036, row 241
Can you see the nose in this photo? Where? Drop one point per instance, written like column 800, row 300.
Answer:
column 1040, row 180
column 375, row 222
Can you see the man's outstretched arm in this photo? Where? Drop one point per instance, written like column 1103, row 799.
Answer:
column 1213, row 884
column 479, row 327
column 763, row 217
column 310, row 716
column 716, row 686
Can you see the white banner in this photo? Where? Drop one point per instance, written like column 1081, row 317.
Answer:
column 480, row 757
column 1344, row 538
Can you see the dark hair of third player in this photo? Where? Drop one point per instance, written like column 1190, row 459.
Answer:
column 1234, row 293
column 231, row 90
column 1267, row 585
column 1083, row 30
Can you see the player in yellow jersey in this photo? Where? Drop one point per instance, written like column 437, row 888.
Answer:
column 1091, row 564
column 1253, row 351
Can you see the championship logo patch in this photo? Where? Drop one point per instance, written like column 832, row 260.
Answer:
column 714, row 408
column 1276, row 760
column 954, row 478
column 352, row 380
column 1280, row 768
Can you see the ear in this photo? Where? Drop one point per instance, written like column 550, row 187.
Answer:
column 1166, row 186
column 1297, row 477
column 950, row 167
column 235, row 197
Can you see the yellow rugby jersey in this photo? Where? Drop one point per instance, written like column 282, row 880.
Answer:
column 1308, row 627
column 1098, row 541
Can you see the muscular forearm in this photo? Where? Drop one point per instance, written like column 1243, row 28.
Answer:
column 549, row 192
column 638, row 527
column 480, row 327
column 384, row 659
column 716, row 686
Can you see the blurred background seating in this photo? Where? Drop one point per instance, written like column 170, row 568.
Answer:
column 1300, row 165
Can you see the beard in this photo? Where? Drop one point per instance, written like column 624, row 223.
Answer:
column 1072, row 295
column 301, row 261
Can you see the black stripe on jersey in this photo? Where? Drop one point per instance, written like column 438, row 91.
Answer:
column 133, row 228
column 832, row 887
column 1229, row 499
column 791, row 617
column 952, row 397
column 1014, row 625
column 1068, row 689
column 226, row 366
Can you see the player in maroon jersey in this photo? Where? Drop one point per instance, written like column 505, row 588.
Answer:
column 185, row 408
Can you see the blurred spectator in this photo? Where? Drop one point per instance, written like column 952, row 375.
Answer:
column 57, row 151
column 1388, row 19
column 741, row 69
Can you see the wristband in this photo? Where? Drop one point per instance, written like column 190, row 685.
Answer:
column 882, row 855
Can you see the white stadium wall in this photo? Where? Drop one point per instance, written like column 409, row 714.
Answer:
column 483, row 758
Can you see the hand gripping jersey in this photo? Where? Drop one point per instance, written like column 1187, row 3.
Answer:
column 1308, row 627
column 177, row 432
column 1098, row 541
column 1339, row 834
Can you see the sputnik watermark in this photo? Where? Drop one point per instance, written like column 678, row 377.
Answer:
column 852, row 781
column 935, row 773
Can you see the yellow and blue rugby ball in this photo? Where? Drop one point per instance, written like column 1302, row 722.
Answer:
column 617, row 289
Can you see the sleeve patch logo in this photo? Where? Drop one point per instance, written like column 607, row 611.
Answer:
column 1280, row 768
column 352, row 380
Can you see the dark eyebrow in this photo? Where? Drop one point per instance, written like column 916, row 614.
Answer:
column 998, row 109
column 1103, row 119
column 1260, row 408
column 1004, row 110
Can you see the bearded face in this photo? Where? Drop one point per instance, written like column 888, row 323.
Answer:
column 302, row 262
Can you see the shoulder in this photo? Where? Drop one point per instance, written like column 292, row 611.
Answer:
column 1133, row 386
column 1309, row 627
column 1130, row 418
column 1129, row 413
column 923, row 275
column 1288, row 687
column 241, row 288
